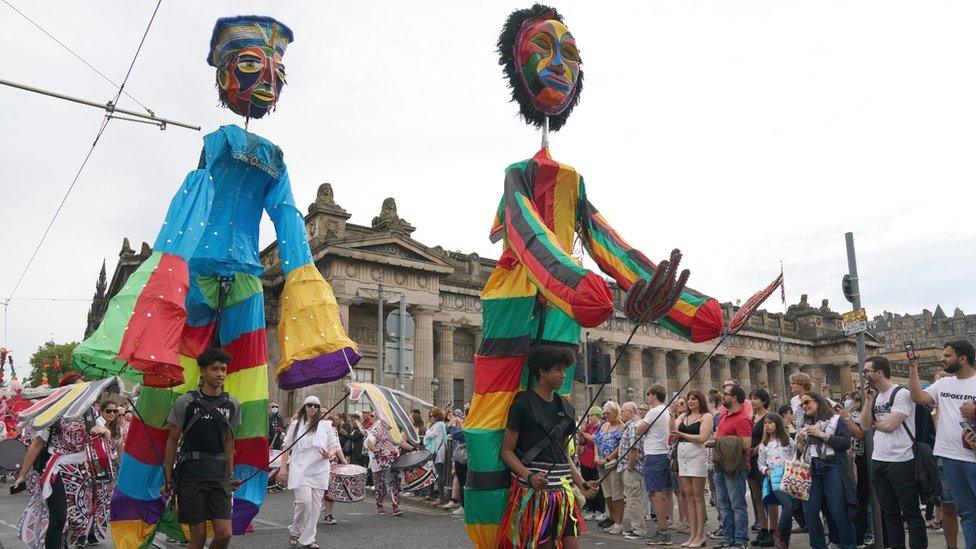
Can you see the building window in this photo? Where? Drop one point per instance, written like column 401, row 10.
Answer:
column 458, row 394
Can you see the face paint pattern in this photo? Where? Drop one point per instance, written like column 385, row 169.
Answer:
column 549, row 64
column 252, row 80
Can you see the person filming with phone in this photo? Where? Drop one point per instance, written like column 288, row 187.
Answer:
column 954, row 396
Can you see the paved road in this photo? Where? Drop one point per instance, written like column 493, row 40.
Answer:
column 359, row 526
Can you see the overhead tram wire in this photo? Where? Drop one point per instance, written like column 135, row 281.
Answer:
column 75, row 54
column 101, row 130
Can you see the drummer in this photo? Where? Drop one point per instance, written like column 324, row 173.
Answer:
column 306, row 467
column 382, row 452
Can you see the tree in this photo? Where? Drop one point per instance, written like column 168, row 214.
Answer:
column 46, row 354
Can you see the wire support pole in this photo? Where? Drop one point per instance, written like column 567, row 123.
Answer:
column 110, row 108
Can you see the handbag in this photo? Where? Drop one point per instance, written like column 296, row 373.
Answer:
column 797, row 479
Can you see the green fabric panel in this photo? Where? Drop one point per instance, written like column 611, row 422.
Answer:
column 154, row 406
column 257, row 427
column 560, row 327
column 547, row 241
column 676, row 328
column 507, row 317
column 518, row 165
column 244, row 286
column 484, row 449
column 485, row 506
column 567, row 387
column 96, row 355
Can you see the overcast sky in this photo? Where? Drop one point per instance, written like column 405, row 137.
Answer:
column 743, row 133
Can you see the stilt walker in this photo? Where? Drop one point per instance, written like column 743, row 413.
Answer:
column 538, row 292
column 202, row 286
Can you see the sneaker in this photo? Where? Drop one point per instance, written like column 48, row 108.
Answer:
column 660, row 538
column 329, row 519
column 716, row 533
column 589, row 515
column 600, row 517
column 458, row 512
column 755, row 527
column 615, row 530
column 635, row 534
column 764, row 539
column 605, row 523
column 682, row 527
column 450, row 505
column 933, row 525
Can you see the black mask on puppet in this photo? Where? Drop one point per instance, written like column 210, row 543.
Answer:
column 542, row 64
column 247, row 52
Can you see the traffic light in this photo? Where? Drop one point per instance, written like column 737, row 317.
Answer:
column 849, row 286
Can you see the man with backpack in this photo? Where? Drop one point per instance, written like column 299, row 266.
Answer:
column 890, row 412
column 201, row 425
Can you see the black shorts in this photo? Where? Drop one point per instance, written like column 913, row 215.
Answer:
column 202, row 500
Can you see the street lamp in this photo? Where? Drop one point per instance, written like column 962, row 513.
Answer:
column 381, row 296
column 434, row 385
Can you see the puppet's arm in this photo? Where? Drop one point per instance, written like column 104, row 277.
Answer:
column 695, row 316
column 580, row 293
column 314, row 345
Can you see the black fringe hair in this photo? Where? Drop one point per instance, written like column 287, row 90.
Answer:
column 506, row 58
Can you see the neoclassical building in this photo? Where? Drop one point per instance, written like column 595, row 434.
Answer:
column 442, row 291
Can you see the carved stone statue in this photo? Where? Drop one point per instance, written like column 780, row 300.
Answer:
column 388, row 220
column 325, row 196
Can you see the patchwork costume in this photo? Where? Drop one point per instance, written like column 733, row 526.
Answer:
column 202, row 287
column 538, row 291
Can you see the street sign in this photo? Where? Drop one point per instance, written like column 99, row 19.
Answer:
column 855, row 322
column 391, row 356
column 393, row 324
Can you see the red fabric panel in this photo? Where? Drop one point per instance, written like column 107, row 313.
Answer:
column 594, row 302
column 251, row 451
column 196, row 339
column 495, row 373
column 708, row 322
column 137, row 443
column 248, row 350
column 543, row 188
column 152, row 339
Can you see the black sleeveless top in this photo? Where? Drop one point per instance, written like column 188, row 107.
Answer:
column 693, row 429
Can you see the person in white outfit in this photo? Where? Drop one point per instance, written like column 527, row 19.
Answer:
column 306, row 468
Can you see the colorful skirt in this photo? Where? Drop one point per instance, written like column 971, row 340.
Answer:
column 533, row 517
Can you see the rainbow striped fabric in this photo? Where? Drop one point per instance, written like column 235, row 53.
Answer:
column 167, row 314
column 538, row 292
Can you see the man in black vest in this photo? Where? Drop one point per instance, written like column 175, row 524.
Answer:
column 202, row 424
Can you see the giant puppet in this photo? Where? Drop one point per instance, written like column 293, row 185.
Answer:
column 202, row 287
column 538, row 292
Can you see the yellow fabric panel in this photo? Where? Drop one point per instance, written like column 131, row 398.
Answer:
column 509, row 283
column 63, row 403
column 613, row 260
column 191, row 375
column 566, row 198
column 130, row 533
column 483, row 536
column 248, row 385
column 310, row 325
column 384, row 411
column 490, row 410
column 685, row 307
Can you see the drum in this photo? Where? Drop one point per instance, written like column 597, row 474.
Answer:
column 347, row 483
column 411, row 460
column 417, row 478
column 12, row 454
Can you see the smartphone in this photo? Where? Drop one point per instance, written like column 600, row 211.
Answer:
column 17, row 488
column 968, row 427
column 910, row 351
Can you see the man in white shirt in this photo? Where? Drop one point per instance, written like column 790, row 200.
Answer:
column 655, row 428
column 951, row 394
column 890, row 412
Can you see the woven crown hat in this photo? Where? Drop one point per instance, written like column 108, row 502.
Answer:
column 233, row 33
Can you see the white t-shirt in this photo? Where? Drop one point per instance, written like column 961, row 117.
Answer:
column 896, row 446
column 798, row 415
column 656, row 437
column 950, row 393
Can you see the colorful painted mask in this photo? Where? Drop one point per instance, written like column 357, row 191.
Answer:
column 548, row 62
column 247, row 52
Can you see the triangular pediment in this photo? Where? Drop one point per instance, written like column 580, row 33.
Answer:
column 397, row 248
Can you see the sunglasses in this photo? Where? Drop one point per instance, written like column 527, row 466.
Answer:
column 310, row 405
column 111, row 411
column 806, row 402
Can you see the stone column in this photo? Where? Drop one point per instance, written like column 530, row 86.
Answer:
column 725, row 369
column 660, row 367
column 684, row 372
column 423, row 354
column 705, row 374
column 762, row 375
column 776, row 382
column 634, row 371
column 740, row 368
column 444, row 362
